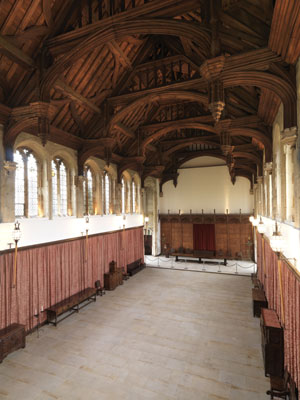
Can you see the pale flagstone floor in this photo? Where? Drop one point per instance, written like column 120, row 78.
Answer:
column 164, row 334
column 237, row 267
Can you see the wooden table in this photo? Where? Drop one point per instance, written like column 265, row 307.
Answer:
column 70, row 304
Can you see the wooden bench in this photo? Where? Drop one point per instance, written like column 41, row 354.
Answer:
column 135, row 267
column 200, row 256
column 11, row 338
column 259, row 301
column 70, row 304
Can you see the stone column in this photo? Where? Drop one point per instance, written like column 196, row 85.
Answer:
column 79, row 181
column 118, row 208
column 268, row 174
column 7, row 191
column 112, row 196
column 142, row 201
column 255, row 192
column 289, row 139
column 260, row 195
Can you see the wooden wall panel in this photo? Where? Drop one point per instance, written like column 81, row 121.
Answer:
column 246, row 234
column 176, row 235
column 232, row 233
column 221, row 238
column 234, row 239
column 187, row 231
column 166, row 235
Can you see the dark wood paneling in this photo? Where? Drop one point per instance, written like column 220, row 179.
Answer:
column 233, row 233
column 187, row 230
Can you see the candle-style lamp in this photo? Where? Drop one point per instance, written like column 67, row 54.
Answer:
column 16, row 234
column 261, row 227
column 277, row 241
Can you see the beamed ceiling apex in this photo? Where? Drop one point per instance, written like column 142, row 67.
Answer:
column 150, row 84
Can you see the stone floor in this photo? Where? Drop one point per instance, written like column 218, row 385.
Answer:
column 164, row 334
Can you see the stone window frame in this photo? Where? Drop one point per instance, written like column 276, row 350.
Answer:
column 30, row 151
column 87, row 209
column 58, row 160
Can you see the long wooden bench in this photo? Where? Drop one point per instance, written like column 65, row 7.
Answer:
column 70, row 304
column 200, row 256
column 135, row 267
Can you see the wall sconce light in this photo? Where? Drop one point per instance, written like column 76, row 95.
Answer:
column 255, row 222
column 16, row 234
column 261, row 227
column 277, row 241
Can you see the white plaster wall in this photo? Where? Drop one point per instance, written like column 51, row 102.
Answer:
column 206, row 188
column 42, row 230
column 292, row 239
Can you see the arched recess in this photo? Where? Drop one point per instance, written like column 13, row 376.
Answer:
column 94, row 150
column 156, row 97
column 282, row 88
column 202, row 154
column 253, row 133
column 133, row 163
column 249, row 156
column 260, row 136
column 31, row 190
column 71, row 167
column 12, row 133
column 116, row 31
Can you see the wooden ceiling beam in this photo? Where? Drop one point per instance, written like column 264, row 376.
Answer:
column 125, row 130
column 69, row 92
column 15, row 54
column 155, row 8
column 119, row 53
column 252, row 121
column 193, row 84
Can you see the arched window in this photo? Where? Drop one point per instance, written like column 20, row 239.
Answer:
column 88, row 192
column 107, row 192
column 128, row 197
column 59, row 188
column 26, row 184
column 133, row 196
column 123, row 196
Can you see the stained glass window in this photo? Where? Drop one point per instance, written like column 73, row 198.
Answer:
column 26, row 184
column 133, row 196
column 129, row 196
column 123, row 196
column 19, row 185
column 54, row 188
column 63, row 189
column 90, row 192
column 32, row 186
column 88, row 187
column 107, row 197
column 59, row 188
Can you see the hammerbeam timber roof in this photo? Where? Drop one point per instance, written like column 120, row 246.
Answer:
column 126, row 77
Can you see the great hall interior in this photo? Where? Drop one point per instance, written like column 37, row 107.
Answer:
column 148, row 146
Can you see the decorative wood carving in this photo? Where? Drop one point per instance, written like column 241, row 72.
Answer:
column 132, row 75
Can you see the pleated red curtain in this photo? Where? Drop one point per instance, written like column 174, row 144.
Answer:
column 289, row 312
column 204, row 237
column 50, row 273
